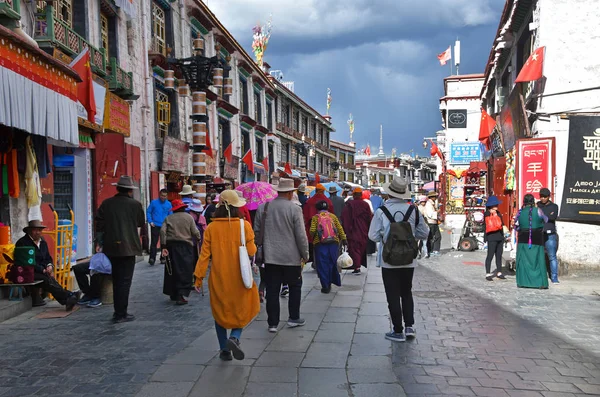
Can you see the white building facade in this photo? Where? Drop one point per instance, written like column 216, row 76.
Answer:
column 558, row 108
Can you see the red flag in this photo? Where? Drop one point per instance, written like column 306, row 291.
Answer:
column 208, row 147
column 317, row 178
column 435, row 150
column 85, row 89
column 247, row 159
column 368, row 150
column 445, row 56
column 265, row 163
column 485, row 128
column 532, row 70
column 228, row 152
column 288, row 169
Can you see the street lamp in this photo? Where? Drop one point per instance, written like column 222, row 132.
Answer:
column 200, row 73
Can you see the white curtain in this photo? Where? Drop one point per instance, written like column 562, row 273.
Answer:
column 31, row 107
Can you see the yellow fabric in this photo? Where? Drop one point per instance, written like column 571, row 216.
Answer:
column 315, row 222
column 33, row 190
column 232, row 304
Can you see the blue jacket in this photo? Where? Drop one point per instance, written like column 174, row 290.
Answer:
column 158, row 211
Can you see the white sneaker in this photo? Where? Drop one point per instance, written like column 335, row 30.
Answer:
column 272, row 330
column 296, row 323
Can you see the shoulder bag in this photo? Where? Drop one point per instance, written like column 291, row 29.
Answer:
column 245, row 266
column 259, row 258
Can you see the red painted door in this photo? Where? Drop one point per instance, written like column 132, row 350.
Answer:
column 110, row 162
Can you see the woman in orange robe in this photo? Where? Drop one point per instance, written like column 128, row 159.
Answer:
column 233, row 305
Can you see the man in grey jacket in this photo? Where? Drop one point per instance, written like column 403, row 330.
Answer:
column 285, row 246
column 337, row 201
column 397, row 280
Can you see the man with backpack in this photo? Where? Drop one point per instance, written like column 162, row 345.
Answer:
column 398, row 225
column 326, row 235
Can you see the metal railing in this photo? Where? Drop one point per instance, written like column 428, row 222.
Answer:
column 120, row 80
column 54, row 32
column 11, row 8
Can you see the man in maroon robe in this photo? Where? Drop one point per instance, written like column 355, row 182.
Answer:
column 356, row 219
column 310, row 209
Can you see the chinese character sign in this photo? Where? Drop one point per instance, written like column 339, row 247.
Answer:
column 535, row 166
column 464, row 153
column 581, row 194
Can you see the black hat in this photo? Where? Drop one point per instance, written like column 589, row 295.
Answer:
column 545, row 192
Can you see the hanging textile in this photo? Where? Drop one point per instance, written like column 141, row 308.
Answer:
column 33, row 189
column 40, row 147
column 13, row 174
column 37, row 93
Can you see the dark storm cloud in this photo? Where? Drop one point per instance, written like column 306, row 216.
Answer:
column 378, row 57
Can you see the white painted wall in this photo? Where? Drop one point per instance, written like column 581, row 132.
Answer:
column 567, row 29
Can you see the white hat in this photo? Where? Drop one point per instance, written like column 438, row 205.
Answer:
column 230, row 197
column 186, row 191
column 398, row 188
column 285, row 185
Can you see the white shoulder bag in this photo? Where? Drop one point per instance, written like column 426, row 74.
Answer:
column 245, row 266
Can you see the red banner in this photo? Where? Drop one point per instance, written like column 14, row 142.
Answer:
column 535, row 166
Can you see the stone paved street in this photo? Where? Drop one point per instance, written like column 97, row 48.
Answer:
column 474, row 338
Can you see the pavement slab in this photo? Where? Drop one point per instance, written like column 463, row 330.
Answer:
column 474, row 338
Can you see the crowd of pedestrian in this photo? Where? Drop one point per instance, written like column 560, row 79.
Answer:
column 283, row 235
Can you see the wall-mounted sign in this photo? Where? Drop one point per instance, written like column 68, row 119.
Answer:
column 175, row 155
column 464, row 153
column 116, row 118
column 457, row 118
column 535, row 166
column 581, row 195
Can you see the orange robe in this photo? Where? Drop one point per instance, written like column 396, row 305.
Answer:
column 232, row 304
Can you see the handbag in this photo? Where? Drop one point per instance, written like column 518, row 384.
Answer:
column 259, row 258
column 245, row 266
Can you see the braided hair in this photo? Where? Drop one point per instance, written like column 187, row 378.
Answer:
column 529, row 200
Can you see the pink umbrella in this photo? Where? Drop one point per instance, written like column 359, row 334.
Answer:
column 256, row 193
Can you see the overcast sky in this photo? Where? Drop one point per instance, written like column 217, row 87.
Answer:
column 377, row 56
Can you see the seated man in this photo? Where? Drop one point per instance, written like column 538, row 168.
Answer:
column 90, row 287
column 43, row 266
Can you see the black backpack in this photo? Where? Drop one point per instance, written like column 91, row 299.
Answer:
column 400, row 248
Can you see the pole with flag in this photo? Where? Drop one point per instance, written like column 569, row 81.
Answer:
column 446, row 56
column 208, row 148
column 351, row 126
column 228, row 152
column 288, row 169
column 328, row 100
column 85, row 90
column 533, row 68
column 265, row 163
column 247, row 159
column 486, row 127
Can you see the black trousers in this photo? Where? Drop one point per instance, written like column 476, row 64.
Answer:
column 494, row 248
column 154, row 238
column 122, row 274
column 398, row 291
column 51, row 286
column 91, row 287
column 275, row 276
column 434, row 241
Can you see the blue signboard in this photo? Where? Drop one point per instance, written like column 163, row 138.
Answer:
column 464, row 153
